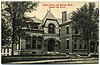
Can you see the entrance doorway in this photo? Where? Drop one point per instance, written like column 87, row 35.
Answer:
column 51, row 45
column 92, row 47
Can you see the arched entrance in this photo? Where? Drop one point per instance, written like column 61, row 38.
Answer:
column 51, row 45
column 92, row 47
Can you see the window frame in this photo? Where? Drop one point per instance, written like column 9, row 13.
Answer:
column 67, row 29
column 51, row 28
column 67, row 44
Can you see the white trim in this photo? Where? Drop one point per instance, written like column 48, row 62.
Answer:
column 67, row 39
column 67, row 25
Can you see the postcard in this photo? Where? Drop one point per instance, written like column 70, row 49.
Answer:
column 49, row 32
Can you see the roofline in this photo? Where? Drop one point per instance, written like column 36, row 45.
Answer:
column 51, row 19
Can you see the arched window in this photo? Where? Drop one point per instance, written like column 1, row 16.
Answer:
column 75, row 46
column 51, row 28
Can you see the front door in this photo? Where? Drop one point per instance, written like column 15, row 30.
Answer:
column 51, row 45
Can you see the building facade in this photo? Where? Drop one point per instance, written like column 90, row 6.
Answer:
column 72, row 40
column 38, row 37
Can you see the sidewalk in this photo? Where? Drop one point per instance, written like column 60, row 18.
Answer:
column 57, row 61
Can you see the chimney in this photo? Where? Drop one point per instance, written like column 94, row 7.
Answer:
column 64, row 16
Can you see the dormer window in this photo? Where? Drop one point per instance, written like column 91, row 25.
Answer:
column 51, row 28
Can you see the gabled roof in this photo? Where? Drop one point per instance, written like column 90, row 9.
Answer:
column 35, row 19
column 49, row 15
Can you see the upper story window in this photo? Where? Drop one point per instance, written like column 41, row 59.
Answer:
column 67, row 30
column 32, row 25
column 76, row 31
column 51, row 28
column 35, row 26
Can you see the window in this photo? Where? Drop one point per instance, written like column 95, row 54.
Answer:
column 35, row 26
column 17, row 46
column 34, row 42
column 75, row 46
column 59, row 44
column 59, row 32
column 76, row 31
column 51, row 28
column 80, row 46
column 85, row 46
column 27, row 46
column 28, row 41
column 67, row 30
column 40, row 39
column 67, row 44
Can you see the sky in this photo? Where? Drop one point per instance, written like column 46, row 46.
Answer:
column 58, row 8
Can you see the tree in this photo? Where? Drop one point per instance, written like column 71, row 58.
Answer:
column 86, row 19
column 16, row 11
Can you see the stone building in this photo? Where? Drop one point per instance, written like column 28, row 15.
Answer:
column 40, row 36
column 50, row 25
column 72, row 41
column 32, row 40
